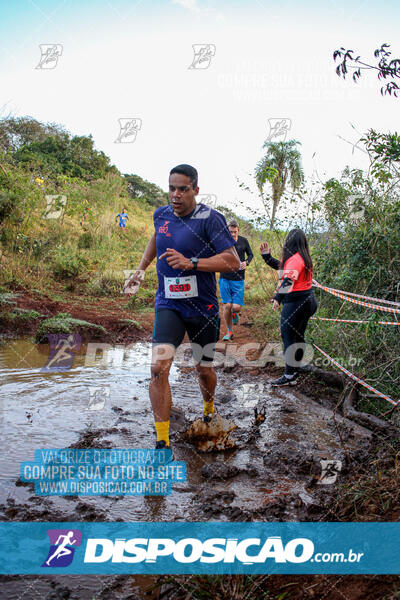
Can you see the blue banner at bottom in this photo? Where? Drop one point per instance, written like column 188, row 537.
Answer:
column 199, row 548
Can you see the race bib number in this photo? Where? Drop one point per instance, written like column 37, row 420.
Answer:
column 180, row 287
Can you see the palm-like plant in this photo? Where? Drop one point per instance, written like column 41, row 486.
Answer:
column 281, row 165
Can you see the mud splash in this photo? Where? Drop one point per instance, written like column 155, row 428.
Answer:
column 212, row 436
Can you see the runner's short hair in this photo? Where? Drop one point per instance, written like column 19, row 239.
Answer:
column 187, row 170
column 234, row 224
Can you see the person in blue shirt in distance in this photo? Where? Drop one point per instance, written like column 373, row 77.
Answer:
column 123, row 217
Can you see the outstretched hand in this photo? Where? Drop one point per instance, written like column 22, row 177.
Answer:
column 264, row 248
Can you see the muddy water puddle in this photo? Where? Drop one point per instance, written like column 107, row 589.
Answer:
column 274, row 457
column 271, row 473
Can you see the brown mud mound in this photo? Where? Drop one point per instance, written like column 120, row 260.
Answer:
column 212, row 436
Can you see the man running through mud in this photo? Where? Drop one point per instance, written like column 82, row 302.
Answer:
column 191, row 242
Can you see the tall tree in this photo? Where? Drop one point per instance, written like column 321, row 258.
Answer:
column 16, row 132
column 281, row 166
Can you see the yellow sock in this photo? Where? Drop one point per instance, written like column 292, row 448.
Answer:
column 162, row 430
column 208, row 407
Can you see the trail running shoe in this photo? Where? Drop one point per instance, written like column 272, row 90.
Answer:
column 228, row 337
column 162, row 445
column 306, row 368
column 284, row 380
column 235, row 318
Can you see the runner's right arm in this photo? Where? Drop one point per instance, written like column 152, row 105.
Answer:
column 148, row 256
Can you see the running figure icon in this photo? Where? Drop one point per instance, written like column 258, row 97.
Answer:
column 62, row 549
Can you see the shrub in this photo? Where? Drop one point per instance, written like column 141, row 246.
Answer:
column 67, row 265
column 85, row 241
column 104, row 284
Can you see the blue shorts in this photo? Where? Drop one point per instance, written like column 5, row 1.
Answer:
column 231, row 291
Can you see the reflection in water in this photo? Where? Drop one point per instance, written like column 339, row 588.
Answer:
column 105, row 390
column 22, row 354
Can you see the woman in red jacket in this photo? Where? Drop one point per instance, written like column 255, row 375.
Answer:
column 297, row 297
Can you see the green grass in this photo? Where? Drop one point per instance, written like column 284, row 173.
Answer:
column 23, row 314
column 131, row 323
column 7, row 299
column 42, row 252
column 64, row 323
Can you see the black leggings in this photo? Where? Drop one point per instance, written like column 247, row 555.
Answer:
column 294, row 318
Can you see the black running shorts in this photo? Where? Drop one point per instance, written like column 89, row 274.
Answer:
column 203, row 332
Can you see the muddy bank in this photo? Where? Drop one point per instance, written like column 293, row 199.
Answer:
column 76, row 587
column 23, row 311
column 278, row 587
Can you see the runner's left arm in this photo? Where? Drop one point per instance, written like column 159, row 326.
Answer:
column 226, row 261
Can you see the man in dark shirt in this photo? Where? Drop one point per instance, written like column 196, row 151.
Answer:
column 191, row 243
column 231, row 285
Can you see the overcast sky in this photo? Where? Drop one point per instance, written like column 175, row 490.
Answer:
column 130, row 60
